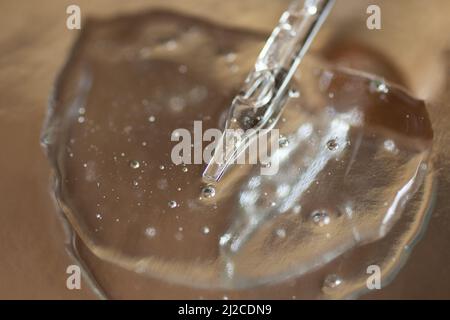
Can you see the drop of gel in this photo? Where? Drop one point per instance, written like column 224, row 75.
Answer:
column 338, row 110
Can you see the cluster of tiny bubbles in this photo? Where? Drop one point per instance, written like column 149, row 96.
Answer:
column 332, row 144
column 332, row 281
column 172, row 204
column 379, row 86
column 134, row 164
column 81, row 112
column 283, row 141
column 320, row 218
column 247, row 121
column 184, row 169
column 208, row 191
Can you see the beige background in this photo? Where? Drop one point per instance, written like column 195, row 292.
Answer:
column 34, row 43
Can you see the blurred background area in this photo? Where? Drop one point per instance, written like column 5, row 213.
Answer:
column 413, row 45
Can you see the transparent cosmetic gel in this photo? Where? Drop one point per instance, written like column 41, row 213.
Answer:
column 354, row 185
